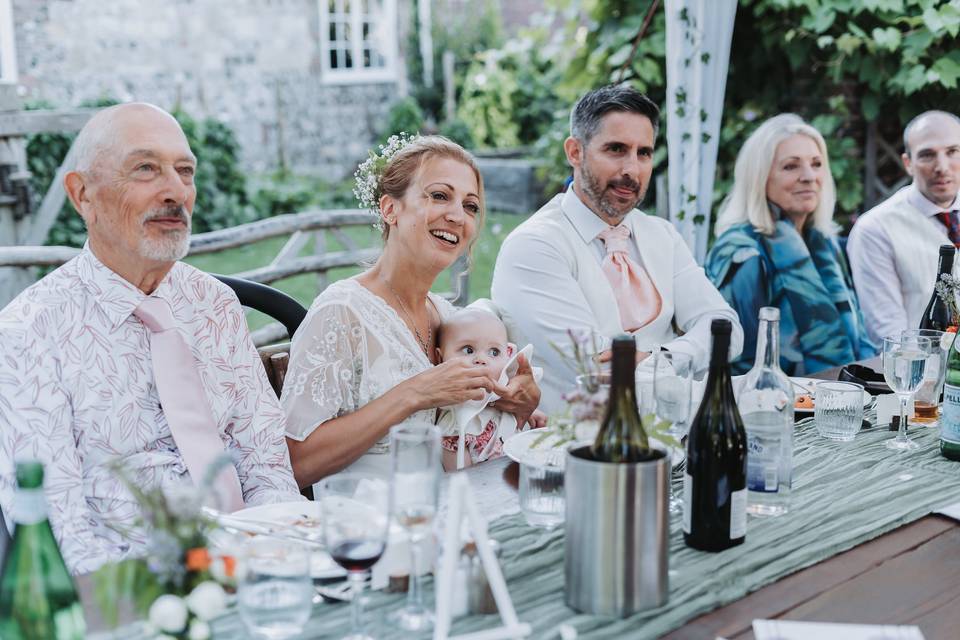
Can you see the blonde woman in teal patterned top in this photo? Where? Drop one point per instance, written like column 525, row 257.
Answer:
column 777, row 247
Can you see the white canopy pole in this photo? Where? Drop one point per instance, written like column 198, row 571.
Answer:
column 699, row 33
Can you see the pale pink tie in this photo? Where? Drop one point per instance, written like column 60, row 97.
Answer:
column 184, row 404
column 637, row 297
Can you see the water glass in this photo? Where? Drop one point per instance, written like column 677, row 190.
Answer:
column 672, row 389
column 838, row 412
column 274, row 589
column 541, row 488
column 926, row 401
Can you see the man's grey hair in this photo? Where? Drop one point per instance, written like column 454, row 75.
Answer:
column 918, row 120
column 591, row 107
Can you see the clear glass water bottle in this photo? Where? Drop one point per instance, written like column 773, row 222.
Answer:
column 766, row 406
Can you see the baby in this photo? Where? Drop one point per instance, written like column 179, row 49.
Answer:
column 480, row 335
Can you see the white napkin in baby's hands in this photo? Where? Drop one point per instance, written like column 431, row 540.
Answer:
column 472, row 416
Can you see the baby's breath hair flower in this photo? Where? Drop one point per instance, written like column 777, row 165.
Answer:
column 368, row 188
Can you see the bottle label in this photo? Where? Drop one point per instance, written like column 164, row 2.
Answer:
column 29, row 506
column 738, row 514
column 950, row 417
column 763, row 466
column 687, row 501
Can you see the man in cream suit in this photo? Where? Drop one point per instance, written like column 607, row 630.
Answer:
column 590, row 262
column 893, row 248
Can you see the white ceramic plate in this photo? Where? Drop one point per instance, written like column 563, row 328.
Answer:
column 305, row 520
column 811, row 384
column 519, row 445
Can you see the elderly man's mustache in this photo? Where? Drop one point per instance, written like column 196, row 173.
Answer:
column 177, row 212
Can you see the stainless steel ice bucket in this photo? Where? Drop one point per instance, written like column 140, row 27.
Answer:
column 617, row 534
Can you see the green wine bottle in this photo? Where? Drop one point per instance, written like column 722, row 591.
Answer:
column 621, row 437
column 950, row 415
column 38, row 599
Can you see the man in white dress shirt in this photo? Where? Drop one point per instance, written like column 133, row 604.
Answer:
column 590, row 262
column 78, row 389
column 893, row 248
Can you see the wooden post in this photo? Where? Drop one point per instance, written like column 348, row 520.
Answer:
column 13, row 161
column 320, row 248
column 425, row 23
column 449, row 87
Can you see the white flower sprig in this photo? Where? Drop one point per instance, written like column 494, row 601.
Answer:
column 368, row 189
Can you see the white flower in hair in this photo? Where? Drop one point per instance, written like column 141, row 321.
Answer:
column 368, row 188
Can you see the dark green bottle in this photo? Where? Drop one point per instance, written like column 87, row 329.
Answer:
column 621, row 437
column 38, row 599
column 715, row 482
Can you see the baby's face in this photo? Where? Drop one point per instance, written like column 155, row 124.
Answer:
column 484, row 340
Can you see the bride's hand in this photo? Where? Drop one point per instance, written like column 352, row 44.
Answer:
column 452, row 382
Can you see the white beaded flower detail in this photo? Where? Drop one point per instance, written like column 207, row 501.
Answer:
column 368, row 189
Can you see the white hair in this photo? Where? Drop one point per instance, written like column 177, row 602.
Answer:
column 99, row 134
column 747, row 200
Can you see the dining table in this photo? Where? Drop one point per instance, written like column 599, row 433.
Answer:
column 860, row 544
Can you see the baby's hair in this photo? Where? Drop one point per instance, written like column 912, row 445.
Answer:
column 460, row 315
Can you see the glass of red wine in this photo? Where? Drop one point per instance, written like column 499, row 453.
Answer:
column 354, row 512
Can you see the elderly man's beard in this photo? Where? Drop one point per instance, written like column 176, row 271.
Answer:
column 171, row 245
column 600, row 197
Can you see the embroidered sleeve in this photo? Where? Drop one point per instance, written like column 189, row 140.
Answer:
column 326, row 370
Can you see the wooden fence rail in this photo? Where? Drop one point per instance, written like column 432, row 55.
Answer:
column 288, row 262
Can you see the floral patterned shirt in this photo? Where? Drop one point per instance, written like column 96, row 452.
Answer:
column 77, row 392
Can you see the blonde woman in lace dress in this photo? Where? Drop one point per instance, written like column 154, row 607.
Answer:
column 362, row 361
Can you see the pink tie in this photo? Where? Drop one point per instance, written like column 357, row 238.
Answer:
column 184, row 404
column 637, row 298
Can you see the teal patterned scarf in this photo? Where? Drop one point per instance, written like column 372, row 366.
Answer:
column 806, row 278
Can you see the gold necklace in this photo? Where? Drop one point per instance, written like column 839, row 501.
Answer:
column 423, row 343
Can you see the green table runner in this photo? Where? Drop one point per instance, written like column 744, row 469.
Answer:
column 844, row 494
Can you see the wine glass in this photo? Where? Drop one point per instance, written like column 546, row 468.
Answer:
column 904, row 363
column 354, row 513
column 415, row 486
column 672, row 389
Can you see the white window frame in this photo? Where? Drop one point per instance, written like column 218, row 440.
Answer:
column 386, row 73
column 8, row 49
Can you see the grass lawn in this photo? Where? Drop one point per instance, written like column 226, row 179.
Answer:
column 304, row 287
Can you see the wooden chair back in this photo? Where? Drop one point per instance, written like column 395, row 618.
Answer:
column 275, row 359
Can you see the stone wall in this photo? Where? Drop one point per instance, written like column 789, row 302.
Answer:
column 252, row 63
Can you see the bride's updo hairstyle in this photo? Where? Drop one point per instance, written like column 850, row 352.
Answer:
column 406, row 163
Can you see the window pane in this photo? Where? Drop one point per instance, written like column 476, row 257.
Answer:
column 334, row 63
column 348, row 60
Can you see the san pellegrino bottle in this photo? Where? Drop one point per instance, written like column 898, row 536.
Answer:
column 937, row 314
column 621, row 437
column 950, row 414
column 766, row 405
column 38, row 599
column 715, row 481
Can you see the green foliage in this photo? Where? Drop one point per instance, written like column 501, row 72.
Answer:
column 486, row 104
column 838, row 63
column 221, row 185
column 405, row 116
column 475, row 27
column 458, row 131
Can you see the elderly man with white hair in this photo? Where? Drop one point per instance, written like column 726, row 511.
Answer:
column 124, row 354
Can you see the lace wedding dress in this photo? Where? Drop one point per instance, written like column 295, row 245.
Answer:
column 350, row 349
